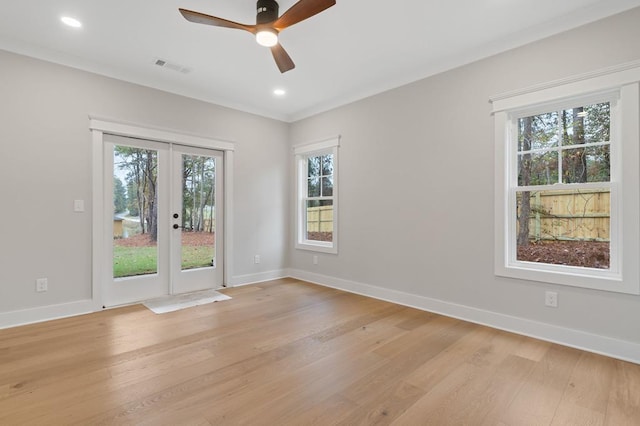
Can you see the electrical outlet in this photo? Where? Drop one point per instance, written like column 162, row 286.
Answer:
column 42, row 285
column 315, row 260
column 256, row 259
column 551, row 299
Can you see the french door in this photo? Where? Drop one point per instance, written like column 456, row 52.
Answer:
column 167, row 232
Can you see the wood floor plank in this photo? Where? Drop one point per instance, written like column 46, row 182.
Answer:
column 326, row 412
column 539, row 397
column 289, row 352
column 623, row 407
column 586, row 396
column 487, row 392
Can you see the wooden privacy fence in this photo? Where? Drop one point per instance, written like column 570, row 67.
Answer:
column 569, row 215
column 320, row 219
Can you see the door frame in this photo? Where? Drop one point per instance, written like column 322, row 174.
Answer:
column 99, row 127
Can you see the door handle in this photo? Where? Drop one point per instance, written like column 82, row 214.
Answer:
column 176, row 226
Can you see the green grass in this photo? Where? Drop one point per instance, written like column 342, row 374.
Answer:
column 196, row 256
column 132, row 261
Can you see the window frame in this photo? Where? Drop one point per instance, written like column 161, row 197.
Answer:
column 301, row 153
column 620, row 87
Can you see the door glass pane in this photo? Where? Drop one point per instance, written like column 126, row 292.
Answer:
column 135, row 229
column 198, row 211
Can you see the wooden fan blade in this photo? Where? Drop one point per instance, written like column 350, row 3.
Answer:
column 282, row 58
column 300, row 11
column 201, row 18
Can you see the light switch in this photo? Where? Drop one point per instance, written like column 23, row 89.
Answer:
column 78, row 206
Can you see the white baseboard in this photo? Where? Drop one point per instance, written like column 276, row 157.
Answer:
column 64, row 310
column 615, row 348
column 239, row 280
column 46, row 313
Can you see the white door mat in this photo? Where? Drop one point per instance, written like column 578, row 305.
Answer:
column 166, row 304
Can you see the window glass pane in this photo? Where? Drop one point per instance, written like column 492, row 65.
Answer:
column 564, row 227
column 538, row 168
column 597, row 119
column 327, row 186
column 585, row 124
column 313, row 166
column 566, row 130
column 313, row 187
column 589, row 164
column 319, row 220
column 598, row 164
column 538, row 132
column 327, row 165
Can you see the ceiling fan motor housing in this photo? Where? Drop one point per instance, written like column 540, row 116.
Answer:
column 267, row 11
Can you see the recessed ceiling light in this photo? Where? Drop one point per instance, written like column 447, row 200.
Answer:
column 279, row 92
column 72, row 22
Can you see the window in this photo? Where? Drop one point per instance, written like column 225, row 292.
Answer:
column 567, row 182
column 317, row 195
column 562, row 190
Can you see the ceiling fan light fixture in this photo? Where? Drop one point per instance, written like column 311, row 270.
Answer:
column 267, row 37
column 268, row 24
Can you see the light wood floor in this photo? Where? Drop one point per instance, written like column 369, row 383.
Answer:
column 288, row 352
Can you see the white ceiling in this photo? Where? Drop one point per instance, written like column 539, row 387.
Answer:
column 354, row 49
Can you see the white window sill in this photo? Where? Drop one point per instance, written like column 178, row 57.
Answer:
column 597, row 279
column 319, row 246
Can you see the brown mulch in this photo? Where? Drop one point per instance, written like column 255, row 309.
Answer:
column 589, row 254
column 320, row 236
column 188, row 238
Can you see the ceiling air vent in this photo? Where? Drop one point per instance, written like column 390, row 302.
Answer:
column 171, row 66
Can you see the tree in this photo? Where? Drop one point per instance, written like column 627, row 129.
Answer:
column 597, row 129
column 119, row 195
column 198, row 192
column 132, row 201
column 575, row 160
column 526, row 132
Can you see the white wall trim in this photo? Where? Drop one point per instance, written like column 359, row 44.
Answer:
column 122, row 128
column 228, row 218
column 624, row 78
column 46, row 313
column 97, row 216
column 310, row 147
column 603, row 345
column 259, row 277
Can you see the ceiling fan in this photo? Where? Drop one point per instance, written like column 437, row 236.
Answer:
column 268, row 24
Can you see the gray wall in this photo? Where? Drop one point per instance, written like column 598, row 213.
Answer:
column 417, row 184
column 45, row 146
